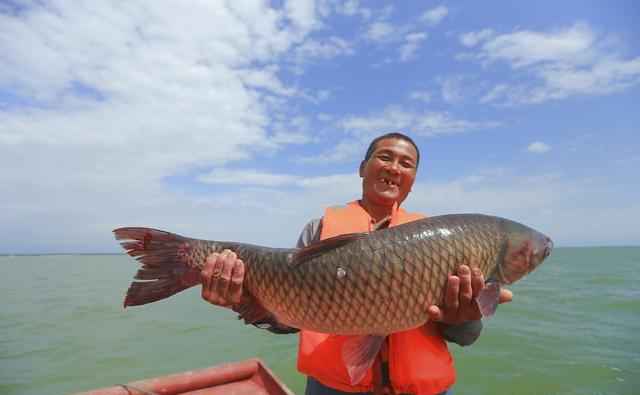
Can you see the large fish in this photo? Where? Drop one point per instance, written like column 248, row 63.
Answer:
column 364, row 284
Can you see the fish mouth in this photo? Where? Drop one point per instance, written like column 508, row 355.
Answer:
column 548, row 247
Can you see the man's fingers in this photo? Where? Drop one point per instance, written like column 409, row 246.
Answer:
column 451, row 295
column 227, row 261
column 465, row 292
column 216, row 272
column 477, row 282
column 205, row 275
column 237, row 279
column 222, row 276
column 435, row 314
column 505, row 295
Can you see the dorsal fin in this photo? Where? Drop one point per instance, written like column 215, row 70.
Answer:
column 324, row 246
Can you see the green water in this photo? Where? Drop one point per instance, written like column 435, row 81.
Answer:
column 572, row 329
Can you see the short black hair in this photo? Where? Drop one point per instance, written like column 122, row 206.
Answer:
column 392, row 135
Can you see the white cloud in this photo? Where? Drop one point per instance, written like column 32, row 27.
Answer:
column 116, row 99
column 396, row 118
column 538, row 147
column 265, row 78
column 566, row 62
column 281, row 137
column 472, row 38
column 573, row 45
column 323, row 94
column 421, row 95
column 416, row 37
column 245, row 177
column 434, row 16
column 381, row 32
column 302, row 13
column 629, row 160
column 254, row 177
column 294, row 131
column 520, row 196
column 336, row 181
column 456, row 88
column 324, row 117
column 412, row 43
column 350, row 7
column 362, row 129
column 365, row 13
column 347, row 148
column 311, row 50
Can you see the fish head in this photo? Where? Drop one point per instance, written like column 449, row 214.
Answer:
column 525, row 250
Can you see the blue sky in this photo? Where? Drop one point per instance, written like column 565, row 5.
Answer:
column 242, row 120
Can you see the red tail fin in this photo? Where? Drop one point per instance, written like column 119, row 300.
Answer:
column 164, row 270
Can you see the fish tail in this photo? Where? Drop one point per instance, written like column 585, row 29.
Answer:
column 165, row 269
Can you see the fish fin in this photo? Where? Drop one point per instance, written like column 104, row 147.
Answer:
column 252, row 311
column 489, row 298
column 359, row 353
column 164, row 270
column 304, row 254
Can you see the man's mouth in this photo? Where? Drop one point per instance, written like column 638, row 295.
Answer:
column 389, row 182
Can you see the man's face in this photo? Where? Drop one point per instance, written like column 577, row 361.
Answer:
column 389, row 173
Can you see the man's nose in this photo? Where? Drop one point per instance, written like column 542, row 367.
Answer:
column 394, row 166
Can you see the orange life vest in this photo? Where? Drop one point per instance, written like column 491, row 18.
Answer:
column 419, row 360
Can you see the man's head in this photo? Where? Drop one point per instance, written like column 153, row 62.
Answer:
column 374, row 142
column 389, row 169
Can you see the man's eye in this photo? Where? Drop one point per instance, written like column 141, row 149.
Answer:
column 408, row 165
column 384, row 158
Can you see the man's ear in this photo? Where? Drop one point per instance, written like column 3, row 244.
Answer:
column 362, row 169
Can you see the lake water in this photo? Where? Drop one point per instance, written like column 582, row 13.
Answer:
column 573, row 328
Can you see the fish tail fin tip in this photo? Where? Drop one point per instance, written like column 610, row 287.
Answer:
column 164, row 270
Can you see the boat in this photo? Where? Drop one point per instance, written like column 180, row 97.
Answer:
column 248, row 377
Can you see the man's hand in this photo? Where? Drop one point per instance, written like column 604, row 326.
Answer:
column 460, row 296
column 222, row 277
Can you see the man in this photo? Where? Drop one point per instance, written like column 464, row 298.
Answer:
column 414, row 361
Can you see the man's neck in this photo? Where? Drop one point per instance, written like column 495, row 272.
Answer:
column 375, row 211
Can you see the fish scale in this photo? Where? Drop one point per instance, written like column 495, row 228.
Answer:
column 375, row 283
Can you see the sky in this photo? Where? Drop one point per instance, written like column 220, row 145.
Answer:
column 242, row 120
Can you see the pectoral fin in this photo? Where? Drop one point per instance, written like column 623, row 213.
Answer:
column 359, row 353
column 489, row 298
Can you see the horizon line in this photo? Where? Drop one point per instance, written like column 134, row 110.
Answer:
column 124, row 253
